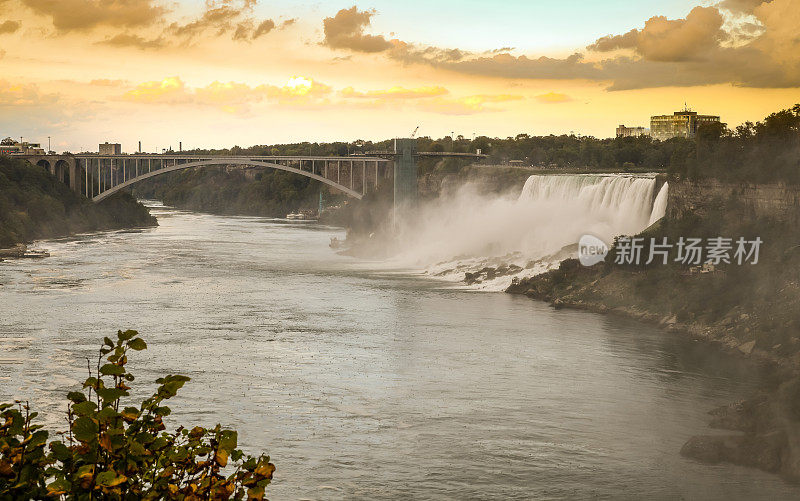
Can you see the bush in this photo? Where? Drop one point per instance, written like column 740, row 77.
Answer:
column 120, row 452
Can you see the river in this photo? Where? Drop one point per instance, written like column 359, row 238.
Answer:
column 368, row 383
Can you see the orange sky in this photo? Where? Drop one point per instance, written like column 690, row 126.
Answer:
column 226, row 72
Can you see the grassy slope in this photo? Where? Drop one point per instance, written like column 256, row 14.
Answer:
column 35, row 205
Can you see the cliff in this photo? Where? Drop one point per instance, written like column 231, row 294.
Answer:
column 35, row 205
column 779, row 201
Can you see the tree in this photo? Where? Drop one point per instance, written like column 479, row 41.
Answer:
column 122, row 452
column 7, row 142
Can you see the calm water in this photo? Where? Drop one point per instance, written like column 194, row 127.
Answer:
column 372, row 384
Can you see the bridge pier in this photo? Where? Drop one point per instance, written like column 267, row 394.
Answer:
column 74, row 175
column 405, row 173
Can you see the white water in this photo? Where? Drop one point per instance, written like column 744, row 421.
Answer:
column 468, row 231
column 660, row 204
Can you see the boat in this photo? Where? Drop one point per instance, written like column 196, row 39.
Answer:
column 335, row 243
column 35, row 254
column 301, row 216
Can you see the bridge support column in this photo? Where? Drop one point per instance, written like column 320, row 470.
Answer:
column 74, row 172
column 405, row 174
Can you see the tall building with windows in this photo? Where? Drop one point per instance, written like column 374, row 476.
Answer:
column 680, row 124
column 110, row 148
column 623, row 131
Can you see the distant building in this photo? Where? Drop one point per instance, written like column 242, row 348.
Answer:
column 680, row 124
column 24, row 148
column 623, row 131
column 110, row 148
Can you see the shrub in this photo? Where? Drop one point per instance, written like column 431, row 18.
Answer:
column 122, row 452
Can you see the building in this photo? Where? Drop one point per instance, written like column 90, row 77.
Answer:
column 680, row 124
column 110, row 148
column 25, row 148
column 623, row 131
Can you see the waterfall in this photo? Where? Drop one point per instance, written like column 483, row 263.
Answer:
column 624, row 202
column 468, row 231
column 660, row 204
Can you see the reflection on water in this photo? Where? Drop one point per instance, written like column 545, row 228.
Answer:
column 367, row 383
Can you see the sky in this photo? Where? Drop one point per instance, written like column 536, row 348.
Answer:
column 219, row 73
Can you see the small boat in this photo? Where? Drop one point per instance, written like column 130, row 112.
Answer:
column 35, row 254
column 301, row 216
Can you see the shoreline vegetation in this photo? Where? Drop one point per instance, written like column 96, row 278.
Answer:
column 118, row 449
column 35, row 205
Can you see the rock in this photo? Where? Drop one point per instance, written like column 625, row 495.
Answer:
column 756, row 451
column 752, row 415
column 747, row 347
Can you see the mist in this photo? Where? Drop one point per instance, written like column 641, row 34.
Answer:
column 466, row 230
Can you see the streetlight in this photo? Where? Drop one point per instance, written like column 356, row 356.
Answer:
column 48, row 145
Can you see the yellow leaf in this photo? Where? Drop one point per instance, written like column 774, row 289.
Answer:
column 221, row 457
column 265, row 470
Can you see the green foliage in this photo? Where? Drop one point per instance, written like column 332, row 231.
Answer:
column 34, row 204
column 118, row 451
column 271, row 193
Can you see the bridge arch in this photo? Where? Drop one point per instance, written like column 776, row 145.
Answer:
column 222, row 162
column 44, row 164
column 61, row 171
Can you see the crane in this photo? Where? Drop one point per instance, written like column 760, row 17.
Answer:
column 413, row 134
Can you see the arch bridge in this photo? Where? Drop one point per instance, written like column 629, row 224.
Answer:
column 100, row 176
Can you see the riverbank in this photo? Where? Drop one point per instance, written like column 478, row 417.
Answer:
column 35, row 205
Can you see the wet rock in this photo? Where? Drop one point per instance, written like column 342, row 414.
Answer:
column 745, row 415
column 747, row 347
column 763, row 452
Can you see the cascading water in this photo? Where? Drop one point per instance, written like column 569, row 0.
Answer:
column 660, row 204
column 467, row 231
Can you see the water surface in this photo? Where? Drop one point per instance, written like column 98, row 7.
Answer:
column 366, row 383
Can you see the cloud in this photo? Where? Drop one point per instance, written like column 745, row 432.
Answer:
column 759, row 48
column 553, row 98
column 396, row 92
column 217, row 17
column 9, row 27
column 136, row 41
column 248, row 31
column 69, row 15
column 105, row 82
column 509, row 66
column 346, row 31
column 664, row 39
column 741, row 6
column 231, row 97
column 263, row 28
column 23, row 95
column 171, row 90
column 222, row 17
column 467, row 105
